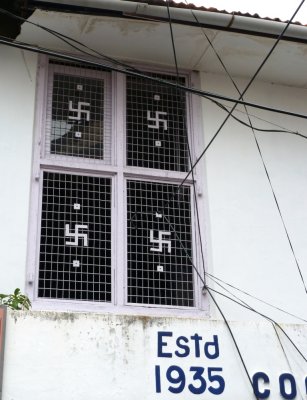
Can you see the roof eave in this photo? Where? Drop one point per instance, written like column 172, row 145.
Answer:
column 217, row 20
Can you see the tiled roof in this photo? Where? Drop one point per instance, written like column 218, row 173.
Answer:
column 210, row 9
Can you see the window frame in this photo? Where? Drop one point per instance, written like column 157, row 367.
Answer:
column 52, row 70
column 119, row 172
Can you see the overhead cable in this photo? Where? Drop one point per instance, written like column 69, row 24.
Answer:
column 67, row 39
column 248, row 125
column 198, row 92
column 239, row 101
column 216, row 280
column 204, row 94
column 239, row 301
column 29, row 47
column 233, row 339
column 264, row 316
column 188, row 146
column 261, row 156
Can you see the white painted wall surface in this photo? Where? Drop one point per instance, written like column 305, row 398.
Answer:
column 17, row 96
column 246, row 243
column 249, row 247
column 98, row 357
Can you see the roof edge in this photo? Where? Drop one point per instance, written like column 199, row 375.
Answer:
column 214, row 19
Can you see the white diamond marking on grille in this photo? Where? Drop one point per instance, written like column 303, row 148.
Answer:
column 158, row 143
column 76, row 235
column 157, row 119
column 77, row 206
column 160, row 241
column 78, row 134
column 76, row 263
column 79, row 110
column 80, row 87
column 160, row 268
column 156, row 97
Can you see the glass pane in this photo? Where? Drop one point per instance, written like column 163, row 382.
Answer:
column 75, row 250
column 156, row 124
column 159, row 244
column 77, row 117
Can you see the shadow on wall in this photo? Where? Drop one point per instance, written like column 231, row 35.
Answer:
column 9, row 26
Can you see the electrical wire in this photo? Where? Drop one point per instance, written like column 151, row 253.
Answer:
column 233, row 339
column 261, row 156
column 238, row 301
column 244, row 91
column 193, row 180
column 248, row 125
column 188, row 146
column 286, row 357
column 61, row 36
column 172, row 39
column 263, row 315
column 202, row 93
column 205, row 94
column 66, row 39
column 265, row 168
column 242, row 302
column 216, row 280
column 280, row 214
column 26, row 46
column 272, row 190
column 281, row 130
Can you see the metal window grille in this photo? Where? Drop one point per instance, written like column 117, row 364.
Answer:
column 156, row 124
column 75, row 249
column 75, row 246
column 79, row 113
column 159, row 266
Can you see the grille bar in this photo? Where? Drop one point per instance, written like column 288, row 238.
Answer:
column 159, row 270
column 79, row 114
column 75, row 249
column 156, row 125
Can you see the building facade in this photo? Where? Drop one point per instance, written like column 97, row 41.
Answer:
column 160, row 238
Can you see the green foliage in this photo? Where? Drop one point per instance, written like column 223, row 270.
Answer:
column 15, row 301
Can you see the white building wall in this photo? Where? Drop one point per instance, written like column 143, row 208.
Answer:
column 17, row 88
column 51, row 355
column 98, row 357
column 245, row 242
column 249, row 246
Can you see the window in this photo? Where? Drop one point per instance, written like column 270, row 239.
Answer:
column 75, row 245
column 113, row 229
column 159, row 271
column 78, row 113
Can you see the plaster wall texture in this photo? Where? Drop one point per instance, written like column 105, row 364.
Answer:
column 248, row 246
column 245, row 241
column 52, row 355
column 17, row 99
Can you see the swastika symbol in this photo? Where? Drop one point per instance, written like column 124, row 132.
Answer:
column 79, row 110
column 76, row 235
column 156, row 119
column 160, row 241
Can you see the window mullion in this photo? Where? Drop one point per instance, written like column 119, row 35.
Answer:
column 119, row 260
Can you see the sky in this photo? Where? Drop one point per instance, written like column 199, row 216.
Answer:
column 265, row 8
